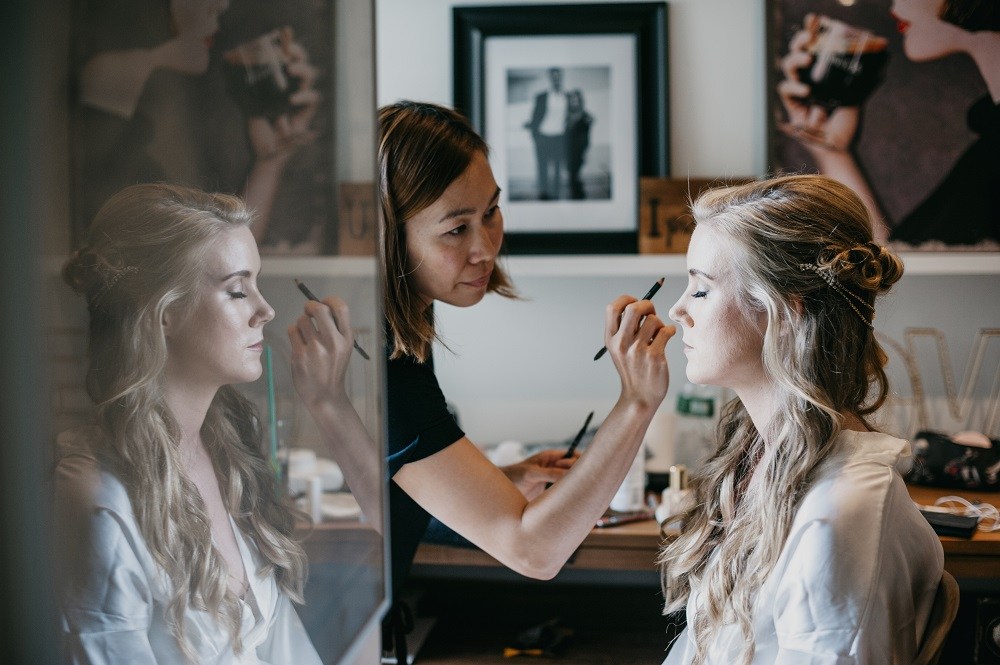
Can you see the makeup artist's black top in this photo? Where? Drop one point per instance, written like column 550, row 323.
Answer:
column 419, row 426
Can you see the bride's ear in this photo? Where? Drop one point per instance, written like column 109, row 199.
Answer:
column 167, row 322
column 796, row 310
column 798, row 307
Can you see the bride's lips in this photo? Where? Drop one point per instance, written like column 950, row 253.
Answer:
column 259, row 346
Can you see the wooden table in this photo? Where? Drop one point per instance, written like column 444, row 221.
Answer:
column 633, row 548
column 967, row 559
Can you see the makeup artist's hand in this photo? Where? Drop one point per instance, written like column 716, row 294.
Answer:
column 636, row 339
column 534, row 473
column 321, row 341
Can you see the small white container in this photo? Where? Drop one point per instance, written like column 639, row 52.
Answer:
column 316, row 499
column 631, row 496
column 659, row 440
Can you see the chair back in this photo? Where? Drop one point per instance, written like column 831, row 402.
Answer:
column 939, row 622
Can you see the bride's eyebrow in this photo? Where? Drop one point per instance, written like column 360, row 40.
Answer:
column 694, row 272
column 238, row 273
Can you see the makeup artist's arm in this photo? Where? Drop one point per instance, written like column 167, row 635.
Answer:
column 322, row 344
column 461, row 488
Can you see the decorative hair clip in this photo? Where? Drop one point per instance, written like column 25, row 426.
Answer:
column 827, row 276
column 114, row 280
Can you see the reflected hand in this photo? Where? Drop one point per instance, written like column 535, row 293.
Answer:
column 813, row 126
column 636, row 338
column 279, row 139
column 321, row 342
column 533, row 474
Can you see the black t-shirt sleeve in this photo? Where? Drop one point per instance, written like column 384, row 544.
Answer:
column 419, row 421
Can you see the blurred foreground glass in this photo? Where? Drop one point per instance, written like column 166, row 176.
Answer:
column 257, row 74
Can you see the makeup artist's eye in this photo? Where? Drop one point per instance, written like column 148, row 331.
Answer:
column 458, row 230
column 491, row 212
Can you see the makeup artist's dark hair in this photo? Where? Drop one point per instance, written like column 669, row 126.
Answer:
column 422, row 149
column 800, row 250
column 144, row 256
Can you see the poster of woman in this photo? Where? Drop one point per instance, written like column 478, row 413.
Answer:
column 899, row 100
column 226, row 96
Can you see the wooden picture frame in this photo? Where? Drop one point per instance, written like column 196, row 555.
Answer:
column 665, row 221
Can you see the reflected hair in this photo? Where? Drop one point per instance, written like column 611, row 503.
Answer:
column 820, row 350
column 144, row 256
column 422, row 149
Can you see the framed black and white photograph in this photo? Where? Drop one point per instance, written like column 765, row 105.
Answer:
column 231, row 97
column 893, row 98
column 572, row 101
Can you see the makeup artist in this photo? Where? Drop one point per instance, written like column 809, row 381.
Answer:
column 442, row 231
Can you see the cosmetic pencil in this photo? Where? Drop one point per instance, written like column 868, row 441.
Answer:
column 576, row 441
column 624, row 518
column 649, row 294
column 578, row 437
column 312, row 296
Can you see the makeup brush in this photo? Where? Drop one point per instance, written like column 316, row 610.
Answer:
column 312, row 296
column 649, row 294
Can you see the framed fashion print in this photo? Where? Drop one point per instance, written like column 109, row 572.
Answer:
column 572, row 101
column 233, row 97
column 892, row 97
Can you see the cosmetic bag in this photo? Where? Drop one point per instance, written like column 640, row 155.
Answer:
column 941, row 461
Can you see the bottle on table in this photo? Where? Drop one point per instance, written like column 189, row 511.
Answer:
column 697, row 416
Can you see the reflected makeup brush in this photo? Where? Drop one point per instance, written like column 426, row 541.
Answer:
column 576, row 441
column 312, row 296
column 649, row 294
column 579, row 437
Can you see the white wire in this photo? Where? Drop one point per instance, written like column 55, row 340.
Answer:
column 989, row 516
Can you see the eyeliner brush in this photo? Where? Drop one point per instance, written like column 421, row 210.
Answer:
column 312, row 296
column 649, row 294
column 579, row 437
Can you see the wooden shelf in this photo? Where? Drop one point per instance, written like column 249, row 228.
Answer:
column 317, row 266
column 658, row 265
column 625, row 265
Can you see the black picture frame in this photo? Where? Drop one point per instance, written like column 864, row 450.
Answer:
column 646, row 24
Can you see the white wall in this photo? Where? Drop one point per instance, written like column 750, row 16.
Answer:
column 716, row 53
column 522, row 369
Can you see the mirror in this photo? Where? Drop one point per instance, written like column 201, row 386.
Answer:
column 273, row 102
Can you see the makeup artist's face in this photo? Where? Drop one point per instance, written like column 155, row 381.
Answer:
column 452, row 244
column 722, row 341
column 220, row 340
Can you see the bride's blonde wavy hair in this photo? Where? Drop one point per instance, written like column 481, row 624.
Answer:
column 802, row 253
column 145, row 255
